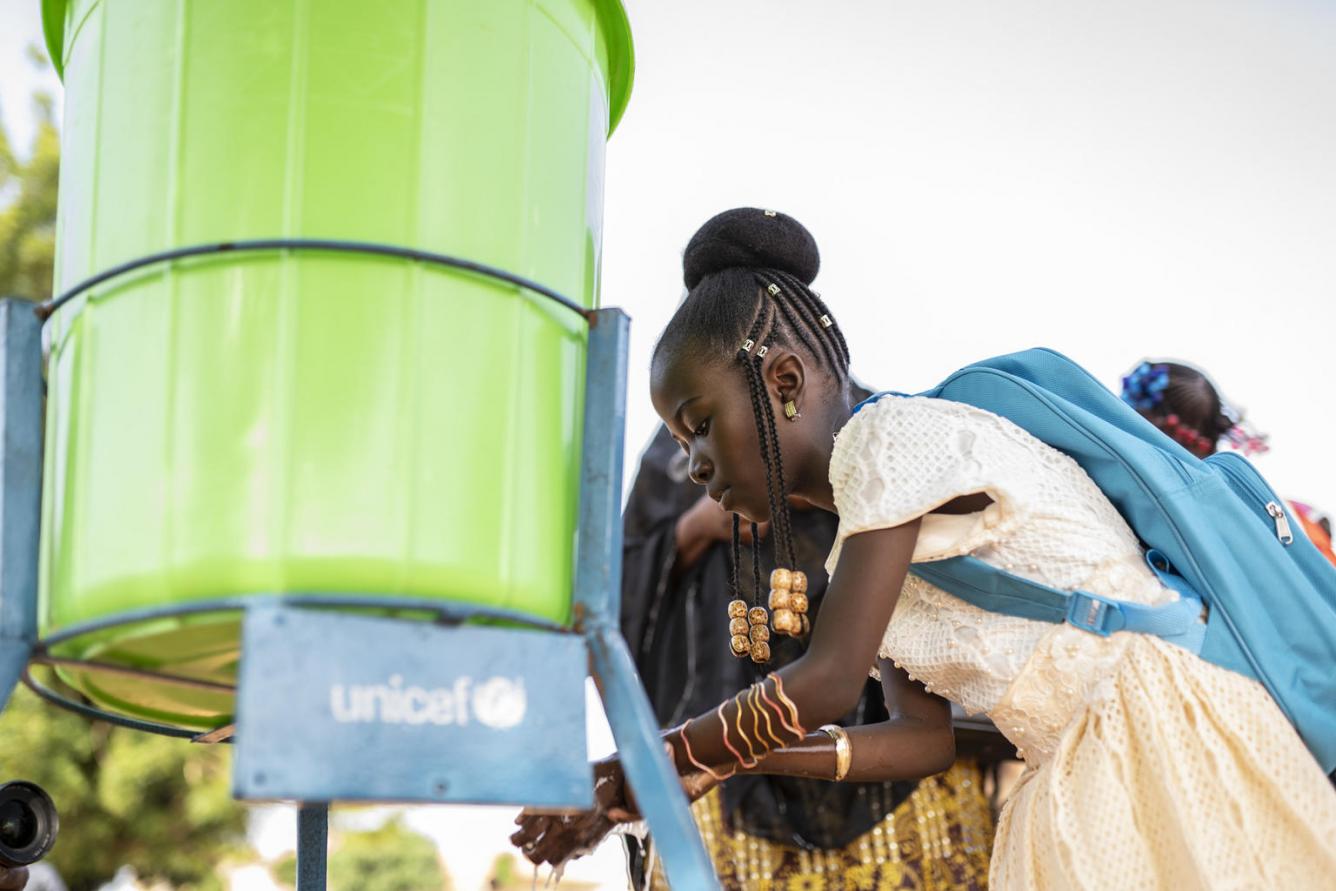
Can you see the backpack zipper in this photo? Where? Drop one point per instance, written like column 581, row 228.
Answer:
column 1282, row 523
column 1227, row 461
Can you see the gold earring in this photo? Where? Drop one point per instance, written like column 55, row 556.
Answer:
column 791, row 411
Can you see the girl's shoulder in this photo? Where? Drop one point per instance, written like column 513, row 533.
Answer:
column 897, row 416
column 918, row 442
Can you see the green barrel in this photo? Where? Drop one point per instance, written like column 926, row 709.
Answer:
column 291, row 421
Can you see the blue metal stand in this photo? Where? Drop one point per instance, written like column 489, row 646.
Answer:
column 299, row 714
column 598, row 588
column 20, row 486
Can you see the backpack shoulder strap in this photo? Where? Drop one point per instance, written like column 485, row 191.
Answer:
column 996, row 590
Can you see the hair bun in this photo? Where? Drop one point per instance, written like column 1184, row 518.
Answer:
column 751, row 238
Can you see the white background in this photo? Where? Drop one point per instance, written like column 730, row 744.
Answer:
column 1115, row 180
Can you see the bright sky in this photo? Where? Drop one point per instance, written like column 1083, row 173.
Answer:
column 1115, row 180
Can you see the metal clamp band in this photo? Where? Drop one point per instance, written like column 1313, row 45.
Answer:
column 328, row 245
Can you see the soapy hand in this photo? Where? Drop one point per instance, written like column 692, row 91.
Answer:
column 556, row 838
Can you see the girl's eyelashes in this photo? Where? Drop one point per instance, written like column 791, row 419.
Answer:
column 702, row 428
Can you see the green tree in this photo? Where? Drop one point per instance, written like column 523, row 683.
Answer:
column 391, row 858
column 28, row 206
column 160, row 805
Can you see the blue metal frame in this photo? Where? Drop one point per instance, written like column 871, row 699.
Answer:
column 598, row 565
column 598, row 590
column 20, row 486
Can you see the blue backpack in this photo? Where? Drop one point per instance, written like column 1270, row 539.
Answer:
column 1213, row 529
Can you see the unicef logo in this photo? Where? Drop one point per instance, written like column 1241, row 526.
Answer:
column 500, row 703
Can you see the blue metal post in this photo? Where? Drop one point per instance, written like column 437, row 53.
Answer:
column 312, row 846
column 598, row 602
column 20, row 485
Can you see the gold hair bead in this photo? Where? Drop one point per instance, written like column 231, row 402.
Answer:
column 737, row 626
column 799, row 602
column 760, row 354
column 799, row 585
column 757, row 615
column 781, row 578
column 747, row 345
column 769, row 213
column 826, row 322
column 759, row 633
column 737, row 609
column 781, row 599
column 760, row 651
column 774, row 290
column 786, row 622
column 741, row 645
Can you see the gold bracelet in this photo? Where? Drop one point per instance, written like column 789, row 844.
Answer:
column 844, row 751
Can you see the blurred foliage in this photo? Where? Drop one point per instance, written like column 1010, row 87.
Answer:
column 391, row 858
column 162, row 806
column 28, row 205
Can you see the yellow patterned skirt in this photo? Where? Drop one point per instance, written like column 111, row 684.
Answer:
column 938, row 839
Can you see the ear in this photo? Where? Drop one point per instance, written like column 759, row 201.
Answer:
column 785, row 376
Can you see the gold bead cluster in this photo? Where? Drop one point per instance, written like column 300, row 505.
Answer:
column 750, row 631
column 749, row 627
column 788, row 598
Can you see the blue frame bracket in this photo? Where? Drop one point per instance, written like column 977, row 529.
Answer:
column 20, row 485
column 598, row 605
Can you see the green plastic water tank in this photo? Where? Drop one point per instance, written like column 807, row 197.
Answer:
column 302, row 422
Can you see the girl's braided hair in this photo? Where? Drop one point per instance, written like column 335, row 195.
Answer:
column 748, row 274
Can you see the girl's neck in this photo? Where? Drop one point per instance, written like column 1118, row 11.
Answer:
column 814, row 485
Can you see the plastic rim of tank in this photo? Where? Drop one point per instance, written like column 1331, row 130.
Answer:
column 611, row 13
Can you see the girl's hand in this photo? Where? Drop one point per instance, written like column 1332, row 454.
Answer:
column 703, row 525
column 548, row 838
column 555, row 838
column 612, row 795
column 544, row 838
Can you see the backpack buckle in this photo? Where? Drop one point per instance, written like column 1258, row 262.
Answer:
column 1095, row 614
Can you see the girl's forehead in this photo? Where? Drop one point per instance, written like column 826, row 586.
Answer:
column 682, row 378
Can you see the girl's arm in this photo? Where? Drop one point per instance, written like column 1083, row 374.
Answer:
column 827, row 681
column 916, row 741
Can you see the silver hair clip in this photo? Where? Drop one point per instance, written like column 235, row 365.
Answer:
column 760, row 354
column 774, row 290
column 769, row 213
column 826, row 322
column 747, row 345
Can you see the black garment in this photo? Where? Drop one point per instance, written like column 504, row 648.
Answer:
column 677, row 629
